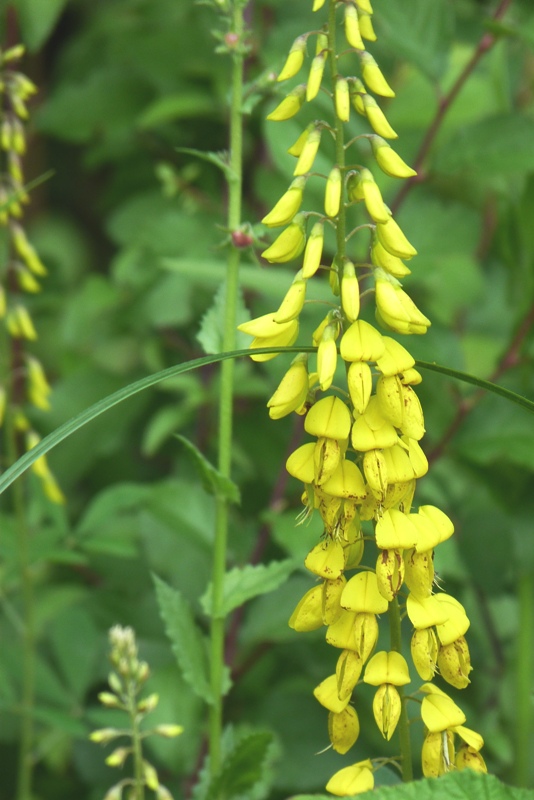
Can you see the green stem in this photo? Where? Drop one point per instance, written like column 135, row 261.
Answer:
column 139, row 776
column 404, row 723
column 226, row 394
column 524, row 679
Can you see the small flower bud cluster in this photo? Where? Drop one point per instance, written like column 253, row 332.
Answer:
column 127, row 679
column 364, row 457
column 24, row 379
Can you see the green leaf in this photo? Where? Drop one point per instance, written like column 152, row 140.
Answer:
column 243, row 768
column 243, row 583
column 175, row 106
column 211, row 333
column 187, row 641
column 37, row 19
column 213, row 482
column 454, row 786
column 219, row 159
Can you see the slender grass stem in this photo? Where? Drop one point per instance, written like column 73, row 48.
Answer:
column 404, row 723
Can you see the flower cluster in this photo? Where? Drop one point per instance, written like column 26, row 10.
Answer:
column 127, row 681
column 364, row 457
column 22, row 377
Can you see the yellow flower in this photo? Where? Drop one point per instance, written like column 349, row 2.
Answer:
column 424, row 651
column 419, row 572
column 393, row 239
column 326, row 694
column 327, row 357
column 293, row 302
column 328, row 417
column 377, row 118
column 350, row 292
column 288, row 205
column 360, row 384
column 308, row 616
column 440, row 713
column 352, row 27
column 437, row 754
column 332, row 198
column 361, row 342
column 343, row 729
column 348, row 670
column 388, row 160
column 373, row 77
column 454, row 663
column 314, row 250
column 294, row 60
column 361, row 594
column 289, row 244
column 387, row 708
column 309, row 151
column 387, row 667
column 351, row 780
column 342, row 99
column 389, row 573
column 326, row 559
column 316, row 76
column 292, row 390
column 290, row 105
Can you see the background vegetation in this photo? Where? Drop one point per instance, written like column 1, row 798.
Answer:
column 127, row 227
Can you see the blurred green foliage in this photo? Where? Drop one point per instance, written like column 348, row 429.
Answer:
column 128, row 229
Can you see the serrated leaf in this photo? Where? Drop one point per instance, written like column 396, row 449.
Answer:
column 212, row 158
column 211, row 333
column 244, row 583
column 213, row 482
column 187, row 641
column 243, row 768
column 465, row 785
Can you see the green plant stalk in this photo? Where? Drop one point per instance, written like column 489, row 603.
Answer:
column 217, row 629
column 137, row 750
column 339, row 135
column 524, row 679
column 403, row 726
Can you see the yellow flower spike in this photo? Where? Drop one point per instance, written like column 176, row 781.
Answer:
column 297, row 147
column 424, row 651
column 327, row 456
column 308, row 615
column 327, row 357
column 293, row 302
column 468, row 758
column 470, row 737
column 456, row 623
column 328, row 417
column 361, row 594
column 342, row 99
column 290, row 105
column 390, row 573
column 362, row 342
column 348, row 670
column 332, row 197
column 352, row 28
column 395, row 359
column 292, row 390
column 309, row 151
column 376, row 473
column 373, row 77
column 440, row 520
column 419, row 571
column 289, row 244
column 390, row 263
column 440, row 713
column 388, row 160
column 350, row 292
column 355, row 779
column 346, row 482
column 288, row 205
column 360, row 383
column 315, row 77
column 390, row 393
column 295, row 59
column 326, row 694
column 387, row 708
column 417, row 458
column 314, row 251
column 372, row 196
column 343, row 729
column 393, row 239
column 326, row 559
column 367, row 30
column 394, row 530
column 330, row 599
column 377, row 118
column 437, row 754
column 300, row 463
column 371, row 431
column 342, row 633
column 424, row 612
column 454, row 663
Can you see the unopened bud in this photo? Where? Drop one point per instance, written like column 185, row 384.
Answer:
column 294, row 60
column 342, row 99
column 289, row 106
column 332, row 198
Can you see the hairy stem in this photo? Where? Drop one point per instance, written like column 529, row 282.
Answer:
column 404, row 723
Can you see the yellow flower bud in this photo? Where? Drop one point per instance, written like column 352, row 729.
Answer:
column 343, row 729
column 342, row 633
column 440, row 521
column 263, row 326
column 372, row 196
column 328, row 417
column 326, row 559
column 376, row 474
column 395, row 358
column 357, row 94
column 300, row 463
column 468, row 758
column 342, row 99
column 332, row 198
column 440, row 713
column 327, row 357
column 388, row 160
column 387, row 261
column 454, row 663
column 390, row 395
column 371, row 431
column 289, row 244
column 296, row 147
column 352, row 28
column 390, row 573
column 38, row 387
column 316, row 76
column 314, row 250
column 308, row 616
column 361, row 342
column 331, row 595
column 361, row 594
column 293, row 302
column 394, row 305
column 373, row 77
column 424, row 612
column 327, row 456
column 360, row 384
column 333, row 280
column 118, row 757
column 318, row 4
column 326, row 694
column 456, row 622
column 387, row 707
column 346, row 482
column 413, row 423
column 350, row 292
column 365, row 5
column 470, row 737
column 288, row 205
column 19, row 323
column 292, row 390
column 377, row 118
column 294, row 60
column 321, row 43
column 424, row 651
column 419, row 573
column 289, row 106
column 411, row 377
column 437, row 754
column 366, row 26
column 387, row 667
column 355, row 779
column 309, row 151
column 417, row 458
column 393, row 239
column 395, row 530
column 285, row 338
column 348, row 670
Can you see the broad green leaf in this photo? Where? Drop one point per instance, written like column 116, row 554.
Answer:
column 243, row 768
column 211, row 333
column 175, row 106
column 37, row 19
column 187, row 641
column 465, row 785
column 213, row 482
column 243, row 583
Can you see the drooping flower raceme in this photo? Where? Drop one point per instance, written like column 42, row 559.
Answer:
column 364, row 458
